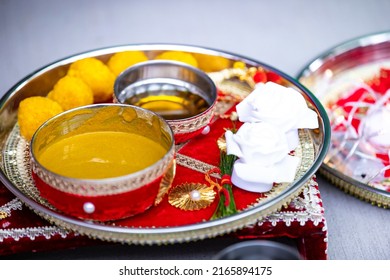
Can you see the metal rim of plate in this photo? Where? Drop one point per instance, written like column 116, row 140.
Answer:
column 373, row 44
column 164, row 235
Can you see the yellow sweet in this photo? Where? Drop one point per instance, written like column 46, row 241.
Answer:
column 211, row 63
column 71, row 92
column 101, row 154
column 122, row 60
column 33, row 112
column 239, row 65
column 96, row 75
column 179, row 56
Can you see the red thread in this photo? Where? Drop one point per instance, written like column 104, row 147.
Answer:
column 227, row 196
column 226, row 179
column 214, row 170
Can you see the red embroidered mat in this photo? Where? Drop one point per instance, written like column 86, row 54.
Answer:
column 23, row 231
column 303, row 220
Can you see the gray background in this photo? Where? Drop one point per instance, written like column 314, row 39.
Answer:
column 285, row 34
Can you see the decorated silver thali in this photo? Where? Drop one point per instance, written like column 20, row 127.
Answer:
column 233, row 75
column 352, row 82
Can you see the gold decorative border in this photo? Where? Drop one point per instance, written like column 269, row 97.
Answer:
column 166, row 182
column 6, row 209
column 192, row 124
column 32, row 233
column 356, row 191
column 309, row 201
column 195, row 164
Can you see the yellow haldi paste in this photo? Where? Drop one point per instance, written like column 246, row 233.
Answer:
column 98, row 155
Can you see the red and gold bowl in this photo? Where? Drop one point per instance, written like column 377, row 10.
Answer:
column 103, row 162
column 183, row 95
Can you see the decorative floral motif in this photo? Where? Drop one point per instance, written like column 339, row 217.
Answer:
column 191, row 196
column 307, row 208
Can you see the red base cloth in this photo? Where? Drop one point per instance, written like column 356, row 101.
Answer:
column 303, row 220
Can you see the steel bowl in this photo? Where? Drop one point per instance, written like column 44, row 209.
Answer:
column 169, row 83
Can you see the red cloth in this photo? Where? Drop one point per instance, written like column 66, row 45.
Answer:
column 23, row 231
